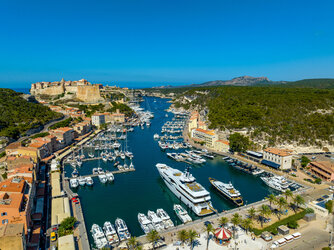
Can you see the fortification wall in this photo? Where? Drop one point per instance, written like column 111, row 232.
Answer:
column 89, row 94
column 72, row 89
column 52, row 91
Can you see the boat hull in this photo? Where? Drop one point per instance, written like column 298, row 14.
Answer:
column 224, row 195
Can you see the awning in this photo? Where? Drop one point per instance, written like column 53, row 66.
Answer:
column 222, row 234
column 270, row 164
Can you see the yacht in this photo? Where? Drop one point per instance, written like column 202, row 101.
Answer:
column 110, row 176
column 182, row 213
column 155, row 136
column 276, row 182
column 185, row 187
column 122, row 229
column 95, row 171
column 89, row 181
column 82, row 181
column 100, row 171
column 122, row 155
column 157, row 222
column 168, row 223
column 103, row 178
column 74, row 183
column 228, row 191
column 75, row 173
column 110, row 232
column 98, row 236
column 131, row 165
column 145, row 223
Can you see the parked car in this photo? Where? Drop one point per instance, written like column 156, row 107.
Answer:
column 53, row 236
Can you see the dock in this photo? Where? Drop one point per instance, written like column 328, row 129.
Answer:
column 113, row 172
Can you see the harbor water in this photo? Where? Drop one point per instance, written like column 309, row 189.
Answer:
column 142, row 190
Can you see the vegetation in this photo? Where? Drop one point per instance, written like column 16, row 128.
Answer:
column 251, row 213
column 153, row 237
column 2, row 154
column 192, row 236
column 43, row 134
column 247, row 224
column 89, row 110
column 329, row 206
column 239, row 142
column 293, row 224
column 133, row 243
column 62, row 124
column 4, row 176
column 18, row 115
column 304, row 161
column 66, row 227
column 182, row 236
column 123, row 108
column 208, row 229
column 236, row 219
column 223, row 221
column 116, row 96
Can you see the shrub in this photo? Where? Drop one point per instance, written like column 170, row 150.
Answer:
column 274, row 231
column 66, row 227
column 2, row 154
column 4, row 175
column 329, row 206
column 292, row 224
column 318, row 181
column 309, row 210
column 40, row 135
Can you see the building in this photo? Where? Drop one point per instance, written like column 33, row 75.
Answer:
column 98, row 120
column 50, row 142
column 222, row 146
column 66, row 242
column 323, row 169
column 207, row 136
column 193, row 120
column 83, row 127
column 64, row 135
column 17, row 150
column 12, row 237
column 60, row 210
column 277, row 158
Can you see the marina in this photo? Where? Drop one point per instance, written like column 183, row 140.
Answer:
column 142, row 189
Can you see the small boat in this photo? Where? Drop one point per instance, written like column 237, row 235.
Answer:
column 110, row 232
column 95, row 171
column 74, row 183
column 100, row 171
column 98, row 236
column 89, row 181
column 131, row 166
column 145, row 223
column 122, row 229
column 168, row 223
column 82, row 181
column 155, row 136
column 75, row 173
column 181, row 213
column 110, row 176
column 156, row 221
column 102, row 178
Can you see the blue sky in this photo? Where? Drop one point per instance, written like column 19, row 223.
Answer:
column 155, row 42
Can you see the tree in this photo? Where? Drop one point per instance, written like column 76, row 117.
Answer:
column 272, row 199
column 247, row 224
column 281, row 203
column 239, row 142
column 251, row 213
column 153, row 236
column 298, row 201
column 192, row 235
column 133, row 242
column 182, row 236
column 304, row 161
column 288, row 194
column 235, row 221
column 329, row 206
column 263, row 212
column 66, row 226
column 223, row 221
column 208, row 229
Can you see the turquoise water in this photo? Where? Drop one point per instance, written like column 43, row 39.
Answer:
column 144, row 190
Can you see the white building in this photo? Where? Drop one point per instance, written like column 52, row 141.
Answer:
column 207, row 136
column 98, row 120
column 277, row 158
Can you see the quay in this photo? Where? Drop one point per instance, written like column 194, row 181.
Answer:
column 113, row 172
column 86, row 159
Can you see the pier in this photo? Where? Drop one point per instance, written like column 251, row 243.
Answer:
column 113, row 172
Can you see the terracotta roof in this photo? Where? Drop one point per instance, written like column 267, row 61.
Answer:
column 10, row 185
column 280, row 152
column 37, row 144
column 208, row 132
column 14, row 200
column 223, row 141
column 14, row 145
column 64, row 129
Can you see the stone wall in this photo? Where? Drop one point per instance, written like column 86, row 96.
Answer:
column 52, row 91
column 89, row 94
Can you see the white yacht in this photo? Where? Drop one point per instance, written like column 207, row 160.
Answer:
column 82, row 181
column 110, row 232
column 156, row 136
column 98, row 236
column 182, row 213
column 74, row 183
column 131, row 165
column 185, row 187
column 145, row 223
column 103, row 178
column 110, row 176
column 228, row 191
column 89, row 181
column 95, row 171
column 157, row 222
column 168, row 223
column 276, row 182
column 122, row 230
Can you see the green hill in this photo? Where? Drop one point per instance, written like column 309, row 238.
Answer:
column 321, row 83
column 18, row 115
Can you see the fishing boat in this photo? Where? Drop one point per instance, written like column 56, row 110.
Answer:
column 228, row 191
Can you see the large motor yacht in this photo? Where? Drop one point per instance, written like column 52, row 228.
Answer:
column 98, row 236
column 168, row 223
column 145, row 223
column 228, row 191
column 122, row 230
column 110, row 232
column 185, row 187
column 276, row 182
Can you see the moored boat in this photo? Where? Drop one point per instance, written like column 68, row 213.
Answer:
column 228, row 191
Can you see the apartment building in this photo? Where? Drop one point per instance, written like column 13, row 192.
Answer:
column 207, row 136
column 277, row 158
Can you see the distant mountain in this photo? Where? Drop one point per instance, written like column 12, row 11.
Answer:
column 320, row 83
column 241, row 81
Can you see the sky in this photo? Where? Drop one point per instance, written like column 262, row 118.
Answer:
column 141, row 43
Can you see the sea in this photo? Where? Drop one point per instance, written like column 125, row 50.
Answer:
column 137, row 192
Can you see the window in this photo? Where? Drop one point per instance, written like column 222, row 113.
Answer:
column 4, row 213
column 4, row 221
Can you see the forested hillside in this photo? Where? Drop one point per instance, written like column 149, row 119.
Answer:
column 274, row 114
column 17, row 115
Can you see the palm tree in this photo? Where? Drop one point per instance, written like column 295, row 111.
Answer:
column 263, row 212
column 281, row 203
column 182, row 236
column 272, row 199
column 133, row 242
column 247, row 224
column 235, row 221
column 153, row 236
column 208, row 229
column 288, row 194
column 192, row 235
column 298, row 201
column 251, row 213
column 223, row 221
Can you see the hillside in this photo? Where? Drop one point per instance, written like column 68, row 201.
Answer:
column 18, row 115
column 321, row 83
column 276, row 115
